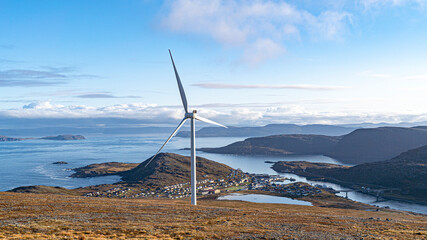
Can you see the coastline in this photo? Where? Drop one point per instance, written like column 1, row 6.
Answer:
column 354, row 186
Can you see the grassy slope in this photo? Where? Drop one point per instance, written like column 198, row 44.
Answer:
column 57, row 216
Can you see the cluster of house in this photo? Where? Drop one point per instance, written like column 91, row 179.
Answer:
column 292, row 190
column 113, row 192
column 236, row 178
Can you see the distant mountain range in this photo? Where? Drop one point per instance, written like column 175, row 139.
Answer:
column 407, row 172
column 359, row 146
column 271, row 129
column 23, row 127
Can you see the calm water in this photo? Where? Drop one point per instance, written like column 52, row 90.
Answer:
column 260, row 198
column 30, row 162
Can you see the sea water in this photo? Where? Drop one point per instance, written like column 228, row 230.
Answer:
column 30, row 162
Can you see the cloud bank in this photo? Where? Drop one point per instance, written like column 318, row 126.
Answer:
column 233, row 115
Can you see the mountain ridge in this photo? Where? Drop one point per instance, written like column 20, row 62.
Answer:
column 269, row 130
column 359, row 146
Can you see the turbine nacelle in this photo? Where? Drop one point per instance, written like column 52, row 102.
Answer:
column 191, row 115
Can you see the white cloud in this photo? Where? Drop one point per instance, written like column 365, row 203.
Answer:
column 261, row 50
column 380, row 3
column 254, row 25
column 265, row 86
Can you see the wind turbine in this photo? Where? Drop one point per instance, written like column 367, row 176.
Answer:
column 193, row 116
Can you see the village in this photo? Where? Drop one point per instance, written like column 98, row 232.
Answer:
column 237, row 180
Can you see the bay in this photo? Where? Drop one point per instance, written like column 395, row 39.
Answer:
column 30, row 162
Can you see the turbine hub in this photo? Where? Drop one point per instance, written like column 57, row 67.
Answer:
column 191, row 115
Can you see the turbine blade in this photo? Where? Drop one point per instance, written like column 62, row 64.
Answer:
column 209, row 121
column 170, row 137
column 181, row 89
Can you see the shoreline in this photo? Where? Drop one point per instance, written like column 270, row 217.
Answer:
column 354, row 186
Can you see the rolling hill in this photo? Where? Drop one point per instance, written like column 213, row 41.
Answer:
column 359, row 146
column 279, row 145
column 376, row 144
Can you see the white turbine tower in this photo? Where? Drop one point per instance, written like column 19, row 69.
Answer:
column 193, row 116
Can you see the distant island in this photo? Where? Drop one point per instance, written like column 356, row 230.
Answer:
column 271, row 129
column 10, row 139
column 60, row 162
column 359, row 146
column 403, row 177
column 65, row 137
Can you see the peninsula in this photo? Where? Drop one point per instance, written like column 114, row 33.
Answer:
column 403, row 177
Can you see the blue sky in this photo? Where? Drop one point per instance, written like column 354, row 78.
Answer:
column 241, row 62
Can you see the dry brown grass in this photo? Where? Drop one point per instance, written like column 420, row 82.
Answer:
column 42, row 216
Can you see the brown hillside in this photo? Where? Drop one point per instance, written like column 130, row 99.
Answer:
column 169, row 168
column 40, row 216
column 44, row 190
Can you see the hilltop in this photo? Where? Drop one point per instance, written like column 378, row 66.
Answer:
column 406, row 172
column 271, row 129
column 164, row 170
column 359, row 146
column 169, row 168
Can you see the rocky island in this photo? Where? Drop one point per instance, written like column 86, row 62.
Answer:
column 10, row 139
